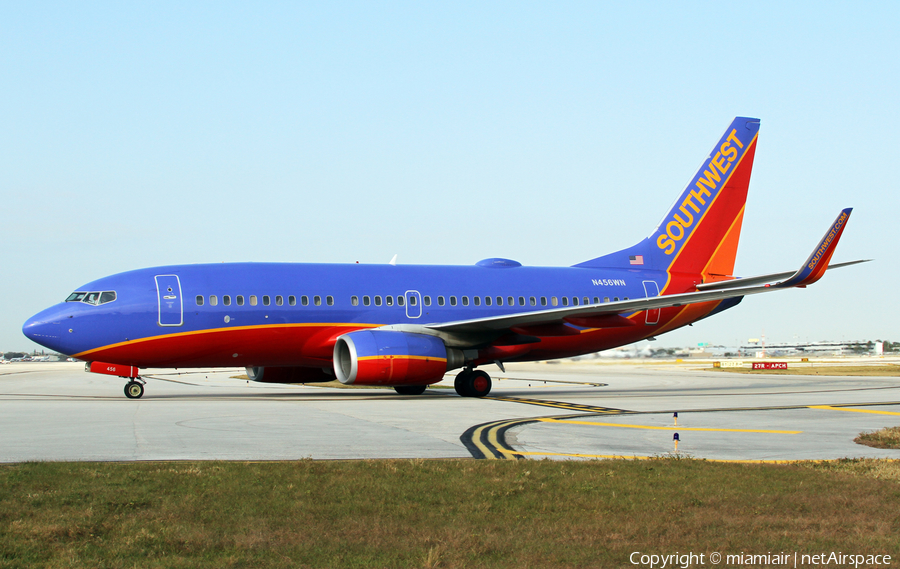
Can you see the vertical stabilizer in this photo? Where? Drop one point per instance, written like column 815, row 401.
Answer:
column 700, row 233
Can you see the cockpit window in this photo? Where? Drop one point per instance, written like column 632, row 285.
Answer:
column 94, row 298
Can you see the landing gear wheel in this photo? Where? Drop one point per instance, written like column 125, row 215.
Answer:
column 460, row 383
column 473, row 384
column 133, row 390
column 410, row 389
column 479, row 384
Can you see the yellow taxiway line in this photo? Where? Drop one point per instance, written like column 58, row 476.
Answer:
column 830, row 408
column 670, row 428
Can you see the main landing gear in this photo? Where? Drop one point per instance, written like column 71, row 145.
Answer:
column 472, row 383
column 134, row 388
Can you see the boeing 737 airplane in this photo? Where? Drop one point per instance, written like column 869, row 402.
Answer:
column 406, row 326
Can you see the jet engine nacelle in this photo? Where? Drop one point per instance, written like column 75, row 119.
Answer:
column 383, row 357
column 289, row 374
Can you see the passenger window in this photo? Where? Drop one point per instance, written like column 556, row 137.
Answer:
column 400, row 300
column 292, row 300
column 585, row 300
column 615, row 299
column 354, row 301
column 487, row 301
column 440, row 301
column 554, row 301
column 388, row 300
column 240, row 300
column 427, row 300
column 367, row 301
column 226, row 300
column 626, row 298
column 109, row 296
column 543, row 301
column 510, row 301
column 477, row 300
column 378, row 301
column 266, row 300
column 279, row 301
column 252, row 300
column 465, row 301
column 329, row 300
column 499, row 301
column 412, row 301
column 521, row 301
column 596, row 300
column 317, row 300
column 605, row 299
column 304, row 300
column 565, row 301
column 199, row 300
column 213, row 300
column 574, row 301
column 452, row 301
column 532, row 301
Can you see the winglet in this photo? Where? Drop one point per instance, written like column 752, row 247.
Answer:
column 816, row 265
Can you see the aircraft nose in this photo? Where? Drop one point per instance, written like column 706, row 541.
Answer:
column 45, row 328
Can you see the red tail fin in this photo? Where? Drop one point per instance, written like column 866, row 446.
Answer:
column 700, row 233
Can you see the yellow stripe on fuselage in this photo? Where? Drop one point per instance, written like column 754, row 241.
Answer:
column 404, row 357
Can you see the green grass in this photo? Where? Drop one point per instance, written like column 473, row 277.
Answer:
column 441, row 513
column 887, row 370
column 888, row 437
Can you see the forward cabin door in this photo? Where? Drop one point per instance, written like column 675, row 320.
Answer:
column 171, row 307
column 651, row 289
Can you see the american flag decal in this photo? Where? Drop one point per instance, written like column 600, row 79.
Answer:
column 636, row 260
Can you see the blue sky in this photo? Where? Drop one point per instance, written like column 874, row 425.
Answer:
column 136, row 135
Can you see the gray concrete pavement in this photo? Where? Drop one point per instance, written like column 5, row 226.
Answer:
column 56, row 411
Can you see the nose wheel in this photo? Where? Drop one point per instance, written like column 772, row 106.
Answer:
column 472, row 383
column 134, row 389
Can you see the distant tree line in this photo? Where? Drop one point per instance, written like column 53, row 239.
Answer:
column 864, row 347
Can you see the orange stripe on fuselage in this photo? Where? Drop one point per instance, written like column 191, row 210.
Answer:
column 281, row 344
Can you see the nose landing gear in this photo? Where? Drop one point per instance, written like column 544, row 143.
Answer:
column 472, row 383
column 135, row 386
column 134, row 389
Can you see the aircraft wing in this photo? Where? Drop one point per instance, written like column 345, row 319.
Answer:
column 582, row 315
column 609, row 314
column 762, row 279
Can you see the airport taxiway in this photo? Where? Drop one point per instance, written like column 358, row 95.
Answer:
column 588, row 409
